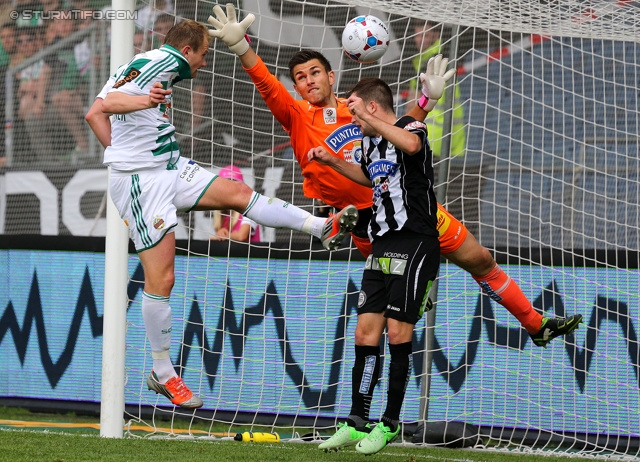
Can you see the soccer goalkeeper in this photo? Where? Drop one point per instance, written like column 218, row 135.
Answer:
column 323, row 119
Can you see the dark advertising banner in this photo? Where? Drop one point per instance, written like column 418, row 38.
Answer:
column 276, row 336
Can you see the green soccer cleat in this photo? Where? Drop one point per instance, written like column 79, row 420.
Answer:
column 345, row 436
column 380, row 436
column 555, row 327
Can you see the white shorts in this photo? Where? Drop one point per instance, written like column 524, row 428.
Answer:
column 148, row 200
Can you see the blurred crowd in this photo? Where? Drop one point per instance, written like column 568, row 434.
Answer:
column 48, row 94
column 51, row 93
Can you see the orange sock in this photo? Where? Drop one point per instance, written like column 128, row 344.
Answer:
column 504, row 290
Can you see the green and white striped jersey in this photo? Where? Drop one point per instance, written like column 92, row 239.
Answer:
column 146, row 139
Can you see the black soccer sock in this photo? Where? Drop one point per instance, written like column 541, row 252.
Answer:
column 364, row 377
column 399, row 373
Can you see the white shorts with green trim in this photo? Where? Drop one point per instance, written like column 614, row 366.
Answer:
column 148, row 200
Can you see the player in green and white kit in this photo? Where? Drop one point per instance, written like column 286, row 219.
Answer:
column 150, row 183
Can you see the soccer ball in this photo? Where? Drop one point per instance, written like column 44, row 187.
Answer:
column 365, row 39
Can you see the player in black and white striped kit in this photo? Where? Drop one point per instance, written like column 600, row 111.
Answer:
column 397, row 162
column 403, row 194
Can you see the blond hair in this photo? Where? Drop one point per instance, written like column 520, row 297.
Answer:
column 187, row 32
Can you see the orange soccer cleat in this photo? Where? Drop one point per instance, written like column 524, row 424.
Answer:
column 337, row 226
column 175, row 390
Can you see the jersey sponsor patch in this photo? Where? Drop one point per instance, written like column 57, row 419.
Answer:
column 415, row 125
column 354, row 155
column 330, row 115
column 382, row 168
column 342, row 136
column 132, row 74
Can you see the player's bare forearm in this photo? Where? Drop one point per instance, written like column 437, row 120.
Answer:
column 117, row 102
column 399, row 137
column 417, row 112
column 380, row 122
column 120, row 103
column 346, row 169
column 99, row 123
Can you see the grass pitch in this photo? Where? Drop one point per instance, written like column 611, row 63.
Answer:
column 27, row 436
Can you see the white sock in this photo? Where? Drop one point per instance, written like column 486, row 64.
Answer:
column 276, row 213
column 156, row 313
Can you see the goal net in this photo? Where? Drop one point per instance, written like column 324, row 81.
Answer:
column 537, row 153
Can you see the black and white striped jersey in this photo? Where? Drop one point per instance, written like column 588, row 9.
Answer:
column 403, row 195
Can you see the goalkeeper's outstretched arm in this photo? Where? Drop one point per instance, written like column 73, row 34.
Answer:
column 233, row 33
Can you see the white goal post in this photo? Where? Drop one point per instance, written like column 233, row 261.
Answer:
column 538, row 156
column 116, row 255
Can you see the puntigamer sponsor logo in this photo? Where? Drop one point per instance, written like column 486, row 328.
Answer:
column 382, row 168
column 343, row 135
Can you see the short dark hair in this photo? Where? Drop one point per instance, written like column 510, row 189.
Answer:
column 304, row 56
column 374, row 89
column 187, row 32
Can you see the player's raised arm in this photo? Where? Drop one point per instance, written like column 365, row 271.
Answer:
column 433, row 80
column 117, row 102
column 375, row 119
column 99, row 123
column 233, row 33
column 352, row 171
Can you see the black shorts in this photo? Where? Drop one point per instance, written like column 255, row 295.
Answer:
column 398, row 276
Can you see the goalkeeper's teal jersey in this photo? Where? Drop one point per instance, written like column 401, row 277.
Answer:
column 146, row 139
